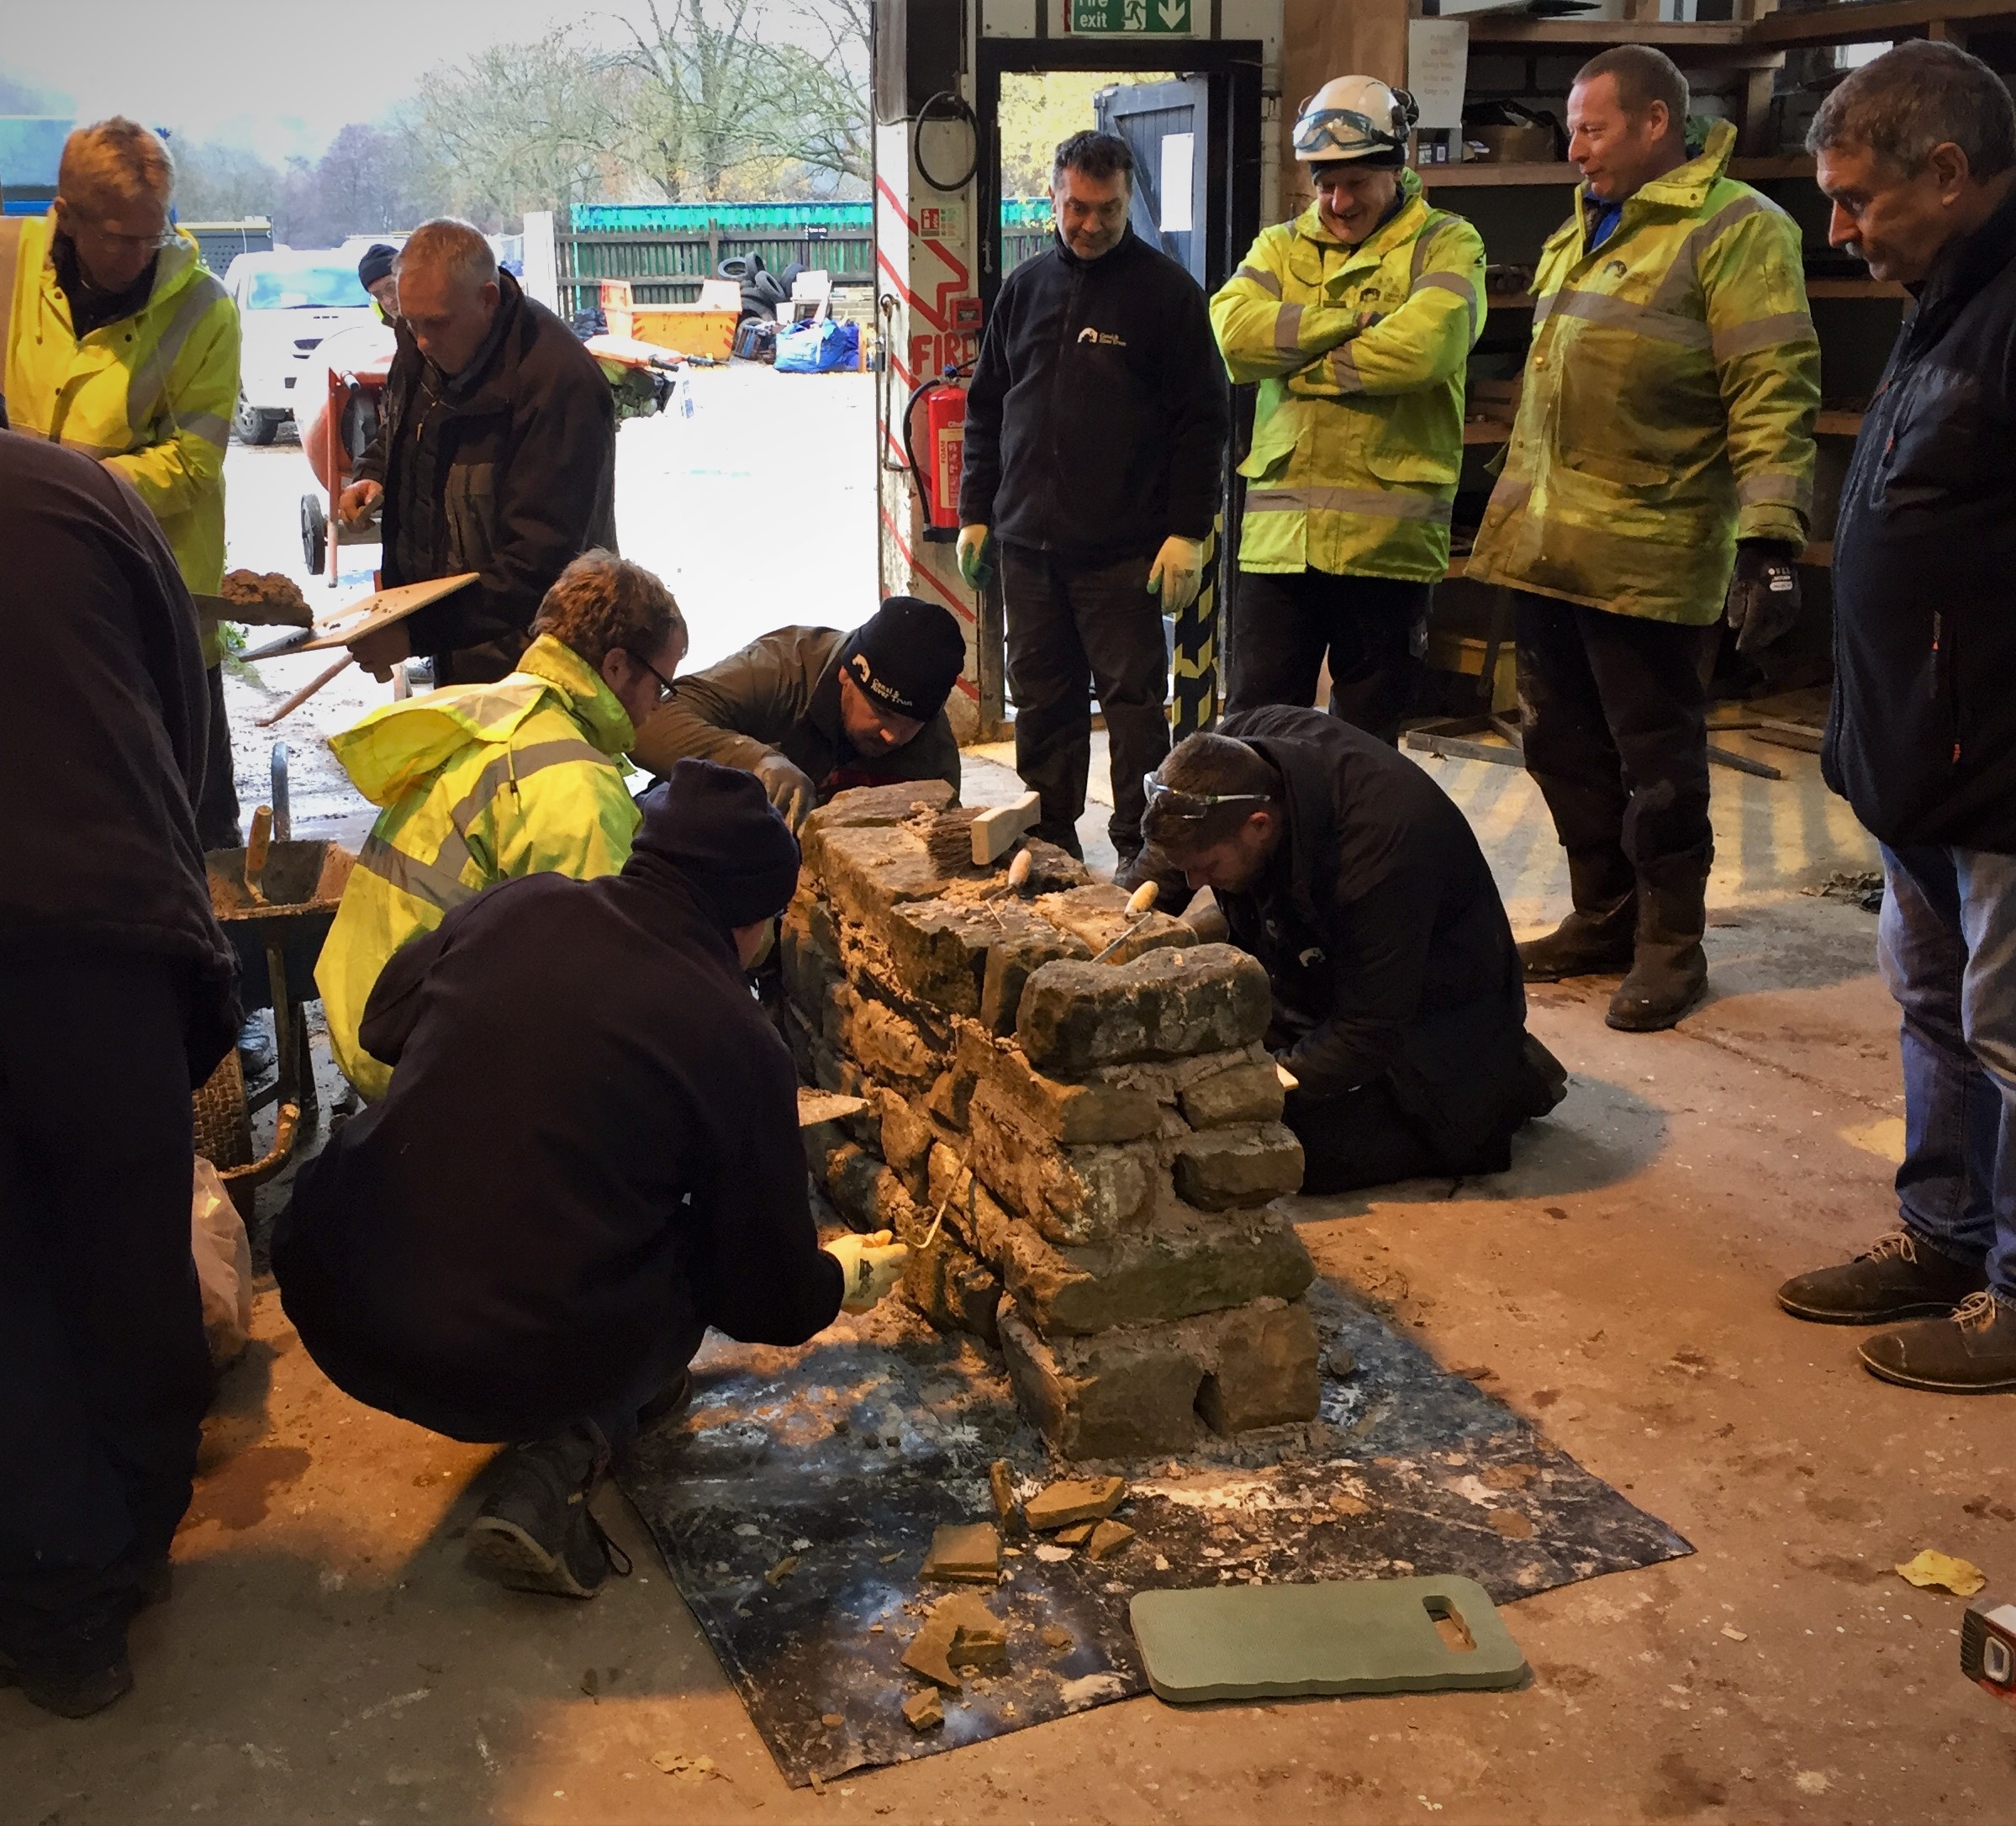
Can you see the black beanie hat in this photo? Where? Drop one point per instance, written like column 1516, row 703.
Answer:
column 906, row 657
column 717, row 829
column 376, row 264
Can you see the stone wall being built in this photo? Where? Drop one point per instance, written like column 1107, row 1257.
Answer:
column 1103, row 1139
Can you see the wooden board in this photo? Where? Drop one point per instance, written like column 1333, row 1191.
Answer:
column 1352, row 1636
column 365, row 616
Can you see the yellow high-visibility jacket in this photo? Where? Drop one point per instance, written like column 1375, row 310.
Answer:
column 151, row 395
column 1668, row 408
column 480, row 783
column 1360, row 353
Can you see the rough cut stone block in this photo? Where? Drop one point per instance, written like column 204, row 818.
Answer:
column 1074, row 1113
column 1244, row 1094
column 866, row 1193
column 951, row 1286
column 1207, row 998
column 972, row 1212
column 810, row 967
column 1121, row 1395
column 1072, row 1195
column 1098, row 914
column 937, row 952
column 880, row 1041
column 1053, row 870
column 869, row 805
column 1012, row 959
column 868, row 869
column 1174, row 1271
column 907, row 1135
column 1221, row 1169
column 1264, row 1372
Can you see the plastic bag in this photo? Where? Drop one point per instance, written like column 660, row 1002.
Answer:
column 818, row 347
column 224, row 1266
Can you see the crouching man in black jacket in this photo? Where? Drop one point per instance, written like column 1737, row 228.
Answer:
column 1096, row 433
column 1917, row 152
column 1399, row 1008
column 544, row 1276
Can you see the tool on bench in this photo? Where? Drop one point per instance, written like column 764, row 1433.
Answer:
column 1141, row 904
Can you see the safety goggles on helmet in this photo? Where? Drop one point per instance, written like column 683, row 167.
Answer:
column 1172, row 802
column 1345, row 133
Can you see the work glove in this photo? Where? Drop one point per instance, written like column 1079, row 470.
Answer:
column 1764, row 594
column 872, row 1264
column 789, row 787
column 1177, row 573
column 976, row 546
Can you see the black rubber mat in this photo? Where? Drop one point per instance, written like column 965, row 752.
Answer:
column 795, row 1503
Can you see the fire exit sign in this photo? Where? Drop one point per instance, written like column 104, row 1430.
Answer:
column 1127, row 16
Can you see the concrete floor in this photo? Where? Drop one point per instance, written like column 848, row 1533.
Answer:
column 326, row 1656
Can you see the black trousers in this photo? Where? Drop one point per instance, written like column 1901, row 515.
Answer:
column 1076, row 628
column 1615, row 710
column 217, row 808
column 1373, row 628
column 104, row 1373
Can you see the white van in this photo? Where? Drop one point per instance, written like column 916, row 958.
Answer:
column 288, row 302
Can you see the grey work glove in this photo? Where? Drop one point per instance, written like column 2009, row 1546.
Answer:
column 1764, row 594
column 789, row 787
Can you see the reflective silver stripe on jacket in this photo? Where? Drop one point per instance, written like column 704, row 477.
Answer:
column 1621, row 313
column 440, row 883
column 209, row 426
column 1266, row 281
column 1288, row 330
column 146, row 392
column 1763, row 332
column 1681, row 275
column 1374, row 503
column 1451, row 282
column 1775, row 485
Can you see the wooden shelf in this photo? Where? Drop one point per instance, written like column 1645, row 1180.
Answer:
column 1856, row 288
column 1865, row 22
column 1838, row 425
column 1726, row 42
column 1489, row 171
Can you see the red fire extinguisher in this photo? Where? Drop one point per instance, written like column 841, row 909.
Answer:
column 944, row 404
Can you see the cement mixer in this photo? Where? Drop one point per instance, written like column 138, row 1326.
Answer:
column 336, row 408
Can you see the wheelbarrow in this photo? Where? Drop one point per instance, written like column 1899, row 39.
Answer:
column 277, row 896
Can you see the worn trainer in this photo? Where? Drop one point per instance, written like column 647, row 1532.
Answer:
column 536, row 1533
column 1897, row 1277
column 1973, row 1353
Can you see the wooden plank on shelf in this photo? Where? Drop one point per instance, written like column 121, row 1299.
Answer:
column 1864, row 22
column 1856, row 288
column 1839, row 425
column 1719, row 40
column 1488, row 431
column 1489, row 172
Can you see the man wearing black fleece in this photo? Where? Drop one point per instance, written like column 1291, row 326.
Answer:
column 543, row 1276
column 1095, row 429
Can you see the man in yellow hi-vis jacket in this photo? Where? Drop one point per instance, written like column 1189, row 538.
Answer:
column 485, row 783
column 1663, row 442
column 119, row 345
column 1357, row 319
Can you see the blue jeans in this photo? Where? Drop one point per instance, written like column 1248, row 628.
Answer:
column 1947, row 944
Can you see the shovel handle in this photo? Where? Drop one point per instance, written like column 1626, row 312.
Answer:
column 305, row 694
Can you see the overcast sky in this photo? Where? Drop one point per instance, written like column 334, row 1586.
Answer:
column 279, row 76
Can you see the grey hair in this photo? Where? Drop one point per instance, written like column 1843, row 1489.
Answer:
column 456, row 246
column 1920, row 95
column 116, row 155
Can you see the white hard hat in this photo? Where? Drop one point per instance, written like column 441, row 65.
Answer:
column 1355, row 117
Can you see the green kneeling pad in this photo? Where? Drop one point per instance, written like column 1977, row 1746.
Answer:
column 1351, row 1636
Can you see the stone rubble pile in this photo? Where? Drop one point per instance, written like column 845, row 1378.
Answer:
column 1105, row 1139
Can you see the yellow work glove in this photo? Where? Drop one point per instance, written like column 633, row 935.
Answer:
column 872, row 1264
column 976, row 544
column 1177, row 573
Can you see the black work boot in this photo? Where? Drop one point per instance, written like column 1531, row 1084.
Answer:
column 1973, row 1353
column 535, row 1532
column 78, row 1677
column 1669, row 969
column 1897, row 1277
column 1595, row 940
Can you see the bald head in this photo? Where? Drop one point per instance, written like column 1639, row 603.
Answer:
column 447, row 291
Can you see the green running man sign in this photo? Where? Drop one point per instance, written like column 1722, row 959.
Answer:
column 1119, row 16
